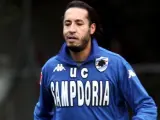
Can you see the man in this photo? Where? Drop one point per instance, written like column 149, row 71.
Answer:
column 87, row 82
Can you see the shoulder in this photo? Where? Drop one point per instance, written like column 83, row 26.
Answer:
column 117, row 63
column 47, row 69
column 112, row 56
column 50, row 63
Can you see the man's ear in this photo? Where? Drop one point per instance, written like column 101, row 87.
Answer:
column 92, row 28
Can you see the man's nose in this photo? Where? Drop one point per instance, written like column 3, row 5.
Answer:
column 72, row 28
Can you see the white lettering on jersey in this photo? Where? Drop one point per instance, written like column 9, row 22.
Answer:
column 80, row 89
column 84, row 73
column 106, row 94
column 90, row 93
column 72, row 92
column 101, row 93
column 64, row 94
column 53, row 92
column 94, row 93
column 87, row 93
column 73, row 72
column 57, row 95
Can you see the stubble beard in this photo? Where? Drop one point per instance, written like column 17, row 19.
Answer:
column 81, row 47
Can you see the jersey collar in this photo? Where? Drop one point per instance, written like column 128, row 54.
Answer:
column 64, row 55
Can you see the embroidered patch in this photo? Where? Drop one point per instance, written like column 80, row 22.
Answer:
column 101, row 63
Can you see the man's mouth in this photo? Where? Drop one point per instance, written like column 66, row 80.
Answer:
column 71, row 38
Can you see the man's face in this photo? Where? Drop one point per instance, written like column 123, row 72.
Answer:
column 76, row 29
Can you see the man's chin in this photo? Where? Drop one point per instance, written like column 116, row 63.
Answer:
column 75, row 48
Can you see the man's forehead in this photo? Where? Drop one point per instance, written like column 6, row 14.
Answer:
column 76, row 13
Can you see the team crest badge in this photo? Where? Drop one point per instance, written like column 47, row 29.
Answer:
column 101, row 63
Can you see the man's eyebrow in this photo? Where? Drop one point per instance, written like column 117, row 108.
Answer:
column 79, row 20
column 66, row 20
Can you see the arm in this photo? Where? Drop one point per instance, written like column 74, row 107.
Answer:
column 143, row 106
column 44, row 108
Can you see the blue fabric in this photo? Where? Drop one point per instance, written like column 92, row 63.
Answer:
column 98, row 89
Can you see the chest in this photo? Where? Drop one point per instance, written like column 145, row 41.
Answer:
column 84, row 73
column 83, row 85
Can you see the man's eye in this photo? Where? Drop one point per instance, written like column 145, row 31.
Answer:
column 79, row 24
column 67, row 24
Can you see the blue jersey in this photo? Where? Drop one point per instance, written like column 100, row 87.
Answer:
column 99, row 88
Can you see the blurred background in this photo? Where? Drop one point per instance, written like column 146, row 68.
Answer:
column 31, row 33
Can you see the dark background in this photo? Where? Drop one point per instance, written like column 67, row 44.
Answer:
column 31, row 33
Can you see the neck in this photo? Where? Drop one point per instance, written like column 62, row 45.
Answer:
column 82, row 55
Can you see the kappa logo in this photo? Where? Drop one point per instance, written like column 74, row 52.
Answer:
column 131, row 73
column 59, row 68
column 101, row 63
